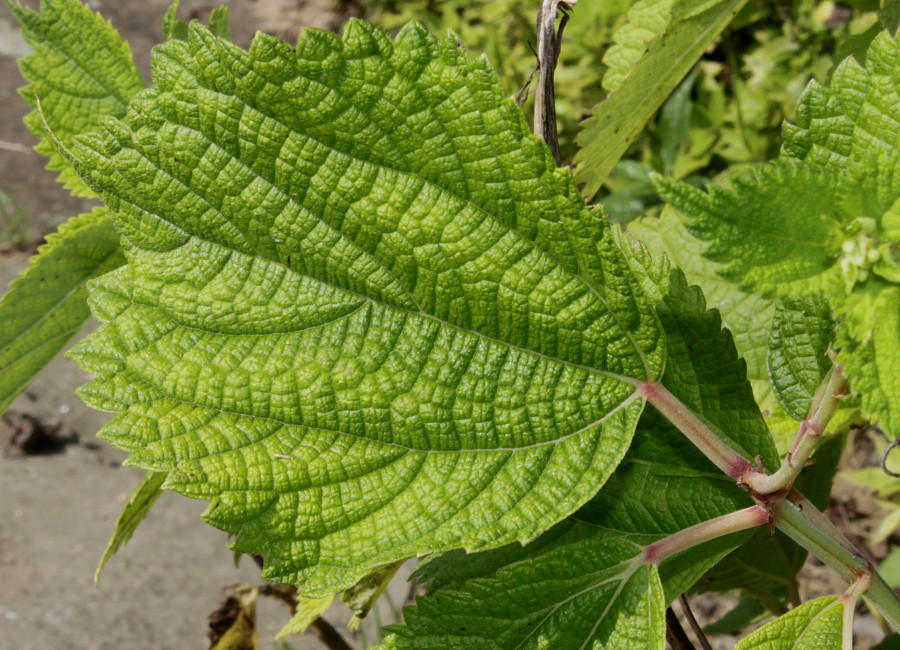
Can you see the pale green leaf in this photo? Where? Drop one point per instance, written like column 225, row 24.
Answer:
column 870, row 350
column 47, row 305
column 816, row 625
column 645, row 21
column 777, row 230
column 307, row 611
column 136, row 508
column 798, row 361
column 687, row 29
column 80, row 69
column 854, row 116
column 364, row 314
column 586, row 594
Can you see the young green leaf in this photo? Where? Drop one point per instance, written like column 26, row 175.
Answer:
column 47, row 305
column 776, row 230
column 679, row 33
column 307, row 611
column 136, row 508
column 586, row 594
column 816, row 625
column 849, row 119
column 364, row 314
column 798, row 359
column 80, row 70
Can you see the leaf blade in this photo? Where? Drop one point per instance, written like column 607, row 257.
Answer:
column 80, row 69
column 435, row 348
column 47, row 305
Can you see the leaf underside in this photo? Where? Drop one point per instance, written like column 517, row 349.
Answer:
column 363, row 313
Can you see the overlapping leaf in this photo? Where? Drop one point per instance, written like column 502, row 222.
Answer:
column 822, row 220
column 47, row 305
column 581, row 595
column 802, row 333
column 816, row 625
column 364, row 314
column 668, row 38
column 80, row 70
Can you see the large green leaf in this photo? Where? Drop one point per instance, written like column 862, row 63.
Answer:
column 364, row 314
column 80, row 70
column 47, row 305
column 668, row 38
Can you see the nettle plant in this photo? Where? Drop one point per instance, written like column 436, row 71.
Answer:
column 349, row 299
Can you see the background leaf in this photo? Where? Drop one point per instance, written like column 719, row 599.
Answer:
column 615, row 123
column 79, row 71
column 47, row 305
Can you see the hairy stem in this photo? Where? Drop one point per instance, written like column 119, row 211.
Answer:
column 823, row 406
column 695, row 430
column 795, row 515
column 703, row 532
column 796, row 522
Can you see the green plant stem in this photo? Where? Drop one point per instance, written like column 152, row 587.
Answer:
column 703, row 532
column 795, row 515
column 794, row 520
column 823, row 406
column 850, row 597
column 698, row 432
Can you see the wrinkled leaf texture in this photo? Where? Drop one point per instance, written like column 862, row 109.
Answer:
column 363, row 314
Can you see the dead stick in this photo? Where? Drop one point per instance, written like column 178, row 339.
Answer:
column 675, row 634
column 548, row 48
column 698, row 631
